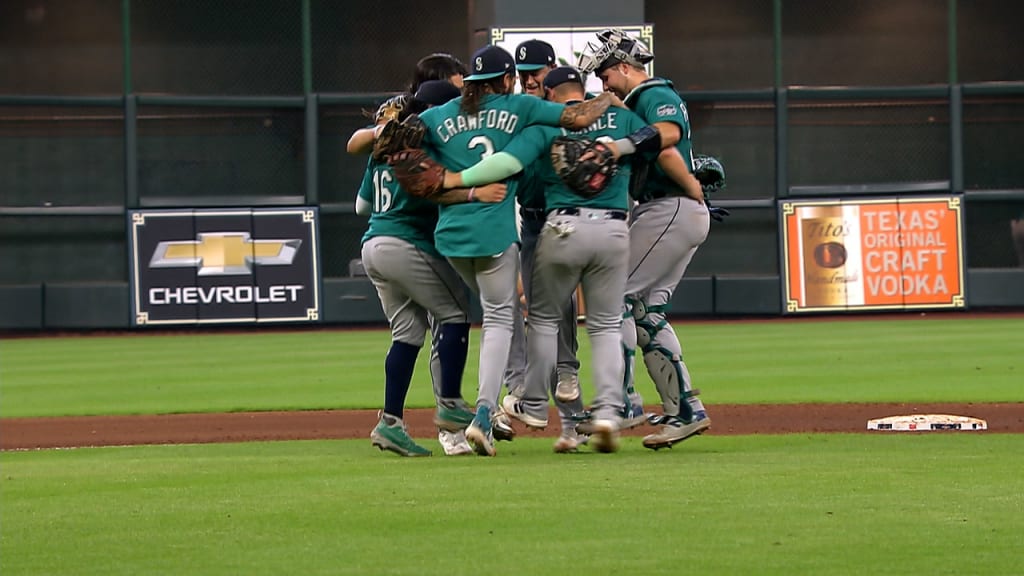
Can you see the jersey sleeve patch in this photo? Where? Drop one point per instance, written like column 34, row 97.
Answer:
column 665, row 110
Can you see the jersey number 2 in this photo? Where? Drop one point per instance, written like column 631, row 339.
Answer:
column 484, row 142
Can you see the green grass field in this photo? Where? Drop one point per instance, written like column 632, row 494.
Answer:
column 920, row 360
column 943, row 503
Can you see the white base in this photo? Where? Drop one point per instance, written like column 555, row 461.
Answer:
column 926, row 423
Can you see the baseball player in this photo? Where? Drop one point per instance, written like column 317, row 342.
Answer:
column 412, row 279
column 436, row 66
column 565, row 85
column 534, row 60
column 668, row 225
column 584, row 240
column 480, row 240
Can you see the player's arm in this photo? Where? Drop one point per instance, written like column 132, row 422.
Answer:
column 363, row 206
column 488, row 194
column 494, row 168
column 364, row 197
column 674, row 166
column 670, row 132
column 644, row 141
column 524, row 149
column 573, row 116
column 361, row 141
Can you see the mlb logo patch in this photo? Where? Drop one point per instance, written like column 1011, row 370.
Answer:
column 666, row 110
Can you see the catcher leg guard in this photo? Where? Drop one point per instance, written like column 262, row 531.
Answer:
column 664, row 366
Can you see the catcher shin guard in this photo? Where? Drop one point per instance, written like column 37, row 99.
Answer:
column 629, row 393
column 664, row 367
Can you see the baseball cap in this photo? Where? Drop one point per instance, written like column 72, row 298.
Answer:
column 534, row 55
column 489, row 62
column 561, row 75
column 436, row 92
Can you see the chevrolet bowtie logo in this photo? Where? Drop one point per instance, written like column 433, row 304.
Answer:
column 224, row 253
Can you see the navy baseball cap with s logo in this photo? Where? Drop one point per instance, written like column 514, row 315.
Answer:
column 534, row 55
column 489, row 62
column 561, row 75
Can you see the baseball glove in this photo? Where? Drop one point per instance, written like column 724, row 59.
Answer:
column 418, row 173
column 710, row 172
column 586, row 176
column 397, row 136
column 391, row 109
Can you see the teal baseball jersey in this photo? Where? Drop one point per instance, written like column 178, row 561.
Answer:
column 657, row 101
column 396, row 213
column 530, row 189
column 459, row 141
column 533, row 147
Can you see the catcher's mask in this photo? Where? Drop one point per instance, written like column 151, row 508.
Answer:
column 613, row 46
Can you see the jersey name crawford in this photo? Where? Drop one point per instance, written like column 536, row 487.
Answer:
column 502, row 120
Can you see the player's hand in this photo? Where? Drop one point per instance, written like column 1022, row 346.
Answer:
column 615, row 100
column 590, row 154
column 717, row 213
column 490, row 193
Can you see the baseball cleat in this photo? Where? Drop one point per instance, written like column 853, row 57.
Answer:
column 516, row 408
column 606, row 436
column 454, row 443
column 453, row 414
column 390, row 434
column 635, row 417
column 568, row 442
column 479, row 433
column 674, row 430
column 568, row 388
column 501, row 427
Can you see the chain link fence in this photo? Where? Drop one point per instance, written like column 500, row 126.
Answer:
column 864, row 42
column 374, row 46
column 721, row 45
column 61, row 155
column 231, row 154
column 840, row 142
column 60, row 47
column 222, row 47
column 225, row 152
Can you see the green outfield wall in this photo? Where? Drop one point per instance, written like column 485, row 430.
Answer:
column 110, row 106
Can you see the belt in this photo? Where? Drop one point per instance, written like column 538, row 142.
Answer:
column 536, row 214
column 663, row 194
column 606, row 214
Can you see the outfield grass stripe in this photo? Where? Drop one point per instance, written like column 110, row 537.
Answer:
column 915, row 360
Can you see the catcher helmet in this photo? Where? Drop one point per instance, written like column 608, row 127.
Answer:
column 710, row 172
column 613, row 46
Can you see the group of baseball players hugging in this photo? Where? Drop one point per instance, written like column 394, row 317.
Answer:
column 626, row 242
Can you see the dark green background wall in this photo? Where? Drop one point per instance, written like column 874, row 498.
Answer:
column 113, row 104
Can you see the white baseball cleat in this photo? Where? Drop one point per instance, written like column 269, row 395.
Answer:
column 568, row 388
column 516, row 408
column 568, row 442
column 454, row 443
column 606, row 436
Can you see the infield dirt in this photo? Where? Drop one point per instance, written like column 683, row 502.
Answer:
column 68, row 432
